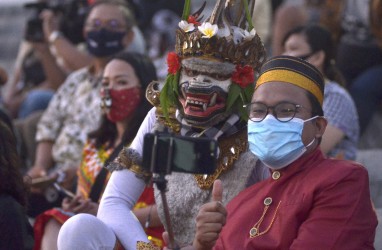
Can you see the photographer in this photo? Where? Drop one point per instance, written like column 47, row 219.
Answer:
column 35, row 78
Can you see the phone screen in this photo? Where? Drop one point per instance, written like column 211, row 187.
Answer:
column 164, row 153
column 63, row 191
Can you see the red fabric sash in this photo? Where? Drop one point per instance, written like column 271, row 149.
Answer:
column 41, row 221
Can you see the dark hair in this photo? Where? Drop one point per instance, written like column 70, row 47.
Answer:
column 124, row 7
column 11, row 180
column 319, row 38
column 145, row 71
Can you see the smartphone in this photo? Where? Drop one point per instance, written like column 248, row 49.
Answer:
column 164, row 153
column 42, row 182
column 63, row 191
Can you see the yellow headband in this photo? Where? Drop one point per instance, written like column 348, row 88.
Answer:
column 282, row 75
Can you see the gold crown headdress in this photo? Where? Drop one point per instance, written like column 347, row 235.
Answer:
column 227, row 35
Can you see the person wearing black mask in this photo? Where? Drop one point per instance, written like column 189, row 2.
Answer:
column 74, row 111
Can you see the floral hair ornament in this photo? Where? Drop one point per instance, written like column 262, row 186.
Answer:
column 193, row 19
column 208, row 29
column 241, row 90
column 186, row 26
column 169, row 93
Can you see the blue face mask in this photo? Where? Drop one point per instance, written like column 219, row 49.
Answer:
column 103, row 43
column 277, row 144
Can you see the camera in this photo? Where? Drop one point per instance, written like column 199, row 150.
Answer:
column 164, row 153
column 34, row 31
column 73, row 17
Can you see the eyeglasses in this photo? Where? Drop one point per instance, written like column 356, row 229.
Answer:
column 283, row 112
column 111, row 24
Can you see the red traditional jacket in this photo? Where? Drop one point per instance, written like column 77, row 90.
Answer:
column 314, row 203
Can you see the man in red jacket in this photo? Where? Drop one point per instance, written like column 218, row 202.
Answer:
column 309, row 202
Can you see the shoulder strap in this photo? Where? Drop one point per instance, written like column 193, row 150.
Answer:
column 98, row 184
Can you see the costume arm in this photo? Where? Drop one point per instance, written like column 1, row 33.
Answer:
column 146, row 127
column 342, row 216
column 115, row 210
column 122, row 192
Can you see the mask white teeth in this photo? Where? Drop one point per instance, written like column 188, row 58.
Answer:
column 213, row 100
column 183, row 92
column 204, row 106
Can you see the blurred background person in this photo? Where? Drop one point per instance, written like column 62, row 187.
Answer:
column 123, row 89
column 359, row 55
column 314, row 44
column 290, row 14
column 37, row 73
column 15, row 229
column 355, row 26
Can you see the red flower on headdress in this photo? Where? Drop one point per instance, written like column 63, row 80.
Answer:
column 243, row 76
column 173, row 63
column 192, row 19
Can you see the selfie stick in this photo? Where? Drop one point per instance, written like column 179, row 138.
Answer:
column 161, row 183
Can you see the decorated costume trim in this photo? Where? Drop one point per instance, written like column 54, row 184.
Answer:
column 146, row 246
column 240, row 92
column 130, row 159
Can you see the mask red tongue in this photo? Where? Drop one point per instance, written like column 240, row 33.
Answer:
column 123, row 103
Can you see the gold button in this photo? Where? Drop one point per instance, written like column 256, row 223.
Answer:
column 276, row 175
column 267, row 201
column 253, row 232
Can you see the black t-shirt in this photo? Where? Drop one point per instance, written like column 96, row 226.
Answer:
column 16, row 233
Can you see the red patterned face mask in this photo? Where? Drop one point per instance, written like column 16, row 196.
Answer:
column 120, row 103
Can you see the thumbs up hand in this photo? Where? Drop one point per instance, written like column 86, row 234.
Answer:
column 210, row 220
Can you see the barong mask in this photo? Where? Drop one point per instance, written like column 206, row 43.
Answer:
column 212, row 72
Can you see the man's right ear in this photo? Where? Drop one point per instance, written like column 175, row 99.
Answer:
column 321, row 124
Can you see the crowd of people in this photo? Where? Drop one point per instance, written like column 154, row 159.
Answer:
column 285, row 89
